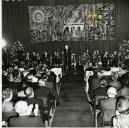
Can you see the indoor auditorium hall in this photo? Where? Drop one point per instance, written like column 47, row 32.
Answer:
column 65, row 63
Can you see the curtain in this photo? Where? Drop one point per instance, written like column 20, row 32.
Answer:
column 15, row 23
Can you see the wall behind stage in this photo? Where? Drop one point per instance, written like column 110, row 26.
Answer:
column 15, row 25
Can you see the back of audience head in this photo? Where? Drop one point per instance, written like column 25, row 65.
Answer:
column 111, row 92
column 115, row 84
column 103, row 82
column 41, row 82
column 22, row 108
column 44, row 77
column 33, row 72
column 25, row 84
column 7, row 94
column 15, row 73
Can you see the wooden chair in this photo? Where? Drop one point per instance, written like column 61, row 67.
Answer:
column 96, row 101
column 45, row 113
column 107, row 117
column 7, row 115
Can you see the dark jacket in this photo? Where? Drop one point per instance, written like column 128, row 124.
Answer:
column 25, row 121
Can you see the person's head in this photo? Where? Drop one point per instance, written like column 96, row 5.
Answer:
column 25, row 84
column 34, row 53
column 15, row 65
column 106, row 53
column 114, row 75
column 33, row 71
column 97, row 51
column 103, row 82
column 48, row 71
column 122, row 105
column 41, row 82
column 7, row 94
column 66, row 47
column 21, row 107
column 99, row 64
column 115, row 84
column 115, row 52
column 29, row 77
column 111, row 92
column 15, row 73
column 94, row 52
column 90, row 65
column 44, row 77
column 29, row 92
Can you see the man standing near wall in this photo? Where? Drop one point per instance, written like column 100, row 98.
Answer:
column 67, row 58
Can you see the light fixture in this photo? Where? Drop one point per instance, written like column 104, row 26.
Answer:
column 3, row 43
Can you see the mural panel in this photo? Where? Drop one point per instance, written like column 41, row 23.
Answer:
column 84, row 22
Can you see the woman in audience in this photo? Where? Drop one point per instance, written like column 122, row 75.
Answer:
column 7, row 104
column 122, row 113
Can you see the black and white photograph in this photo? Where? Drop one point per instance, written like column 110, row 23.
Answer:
column 65, row 63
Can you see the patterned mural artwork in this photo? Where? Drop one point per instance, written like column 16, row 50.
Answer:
column 84, row 22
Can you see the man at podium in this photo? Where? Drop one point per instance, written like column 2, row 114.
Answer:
column 67, row 58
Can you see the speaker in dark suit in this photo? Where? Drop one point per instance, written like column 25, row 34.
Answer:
column 67, row 58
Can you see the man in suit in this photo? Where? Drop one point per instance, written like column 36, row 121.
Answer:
column 107, row 106
column 110, row 101
column 23, row 120
column 94, row 82
column 31, row 99
column 67, row 58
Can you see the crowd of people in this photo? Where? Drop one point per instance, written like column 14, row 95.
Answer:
column 30, row 89
column 109, row 97
column 109, row 89
column 108, row 59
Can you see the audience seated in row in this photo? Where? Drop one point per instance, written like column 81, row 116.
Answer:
column 107, row 106
column 24, row 118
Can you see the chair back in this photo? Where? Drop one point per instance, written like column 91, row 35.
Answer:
column 97, row 98
column 108, row 116
column 7, row 115
column 45, row 101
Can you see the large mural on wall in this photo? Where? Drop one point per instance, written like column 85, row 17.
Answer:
column 84, row 22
